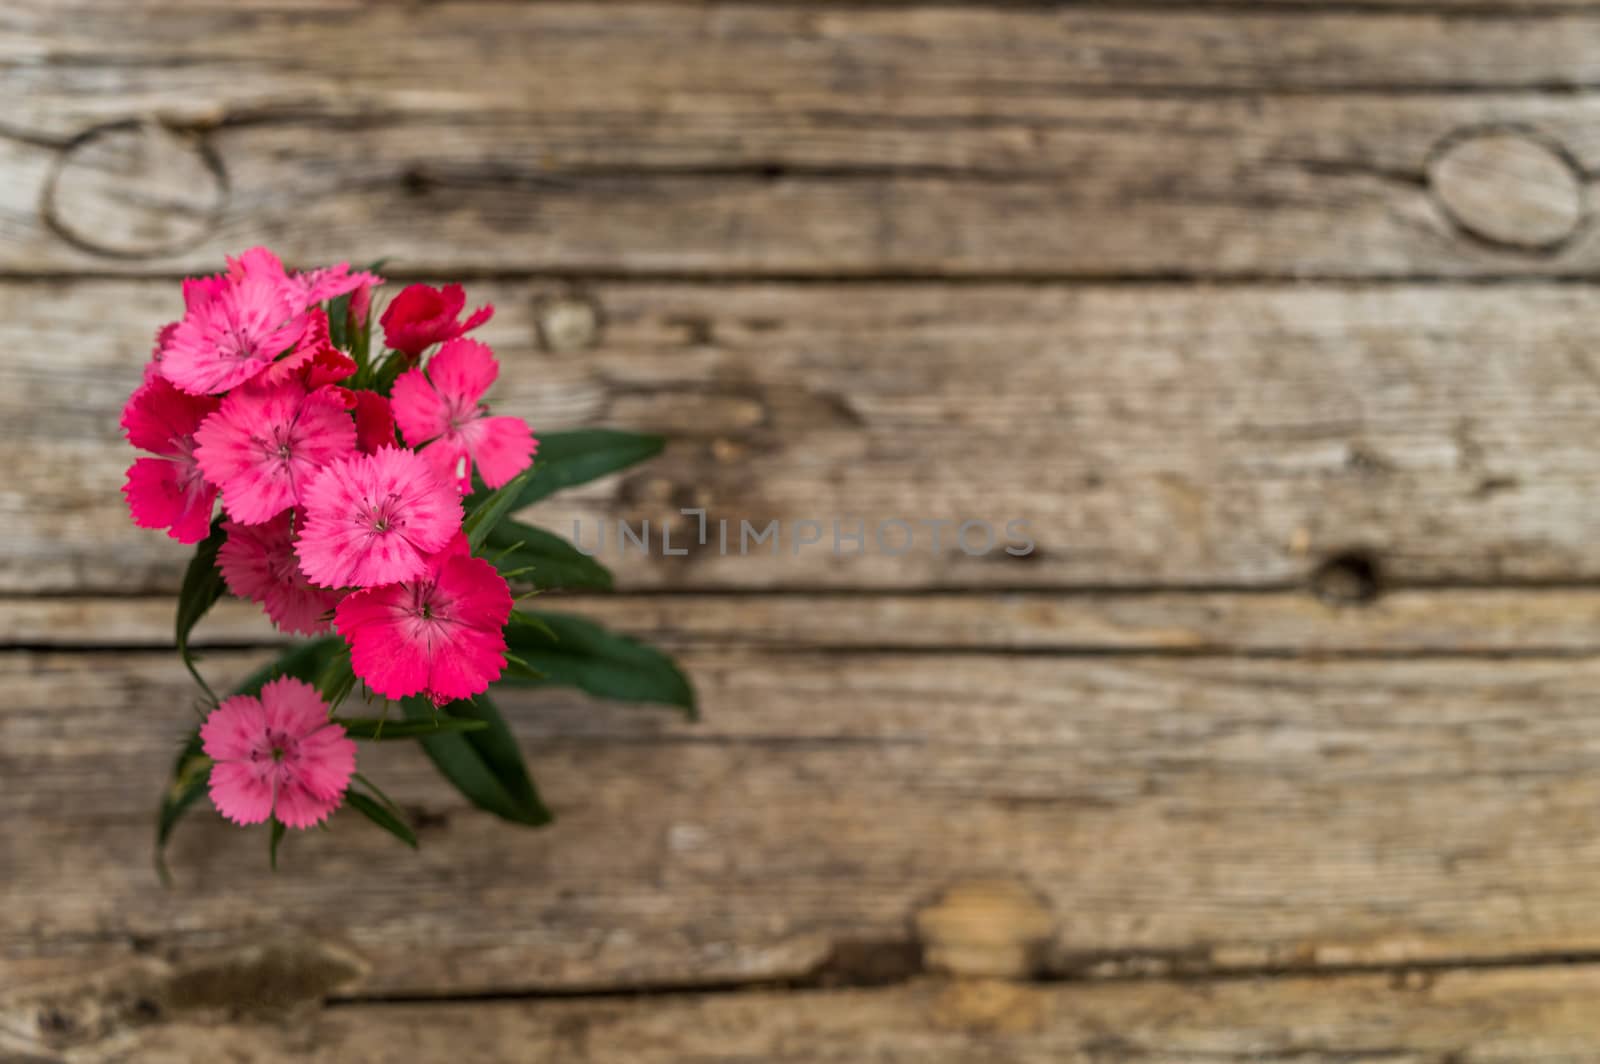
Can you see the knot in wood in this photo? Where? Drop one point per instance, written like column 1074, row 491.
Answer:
column 135, row 191
column 986, row 928
column 1509, row 189
column 568, row 323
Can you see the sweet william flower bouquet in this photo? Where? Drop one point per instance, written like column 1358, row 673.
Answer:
column 365, row 499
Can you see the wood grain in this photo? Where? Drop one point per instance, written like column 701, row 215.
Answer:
column 1464, row 622
column 1168, row 814
column 1464, row 1017
column 802, row 139
column 1149, row 435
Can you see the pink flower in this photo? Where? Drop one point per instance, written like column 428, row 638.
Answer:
column 440, row 411
column 421, row 316
column 374, row 422
column 331, row 282
column 308, row 287
column 258, row 562
column 374, row 519
column 232, row 333
column 263, row 446
column 152, row 369
column 277, row 755
column 168, row 491
column 440, row 634
column 323, row 363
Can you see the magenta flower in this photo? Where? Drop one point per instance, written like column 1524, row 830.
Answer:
column 168, row 491
column 440, row 634
column 255, row 319
column 277, row 755
column 308, row 287
column 263, row 446
column 232, row 333
column 259, row 563
column 374, row 519
column 374, row 422
column 421, row 316
column 440, row 411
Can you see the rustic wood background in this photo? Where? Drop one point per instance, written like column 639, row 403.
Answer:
column 1274, row 320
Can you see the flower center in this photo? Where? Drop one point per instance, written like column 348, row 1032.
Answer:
column 382, row 515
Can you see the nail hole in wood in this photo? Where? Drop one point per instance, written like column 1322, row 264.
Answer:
column 1352, row 578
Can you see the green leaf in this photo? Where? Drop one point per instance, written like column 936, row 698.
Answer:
column 190, row 774
column 575, row 652
column 387, row 371
column 485, row 766
column 382, row 816
column 191, row 771
column 339, row 324
column 306, row 661
column 533, row 556
column 337, row 678
column 202, row 587
column 581, row 455
column 484, row 514
column 382, row 729
column 272, row 847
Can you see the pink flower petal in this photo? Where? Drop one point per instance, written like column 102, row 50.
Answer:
column 462, row 371
column 373, row 519
column 169, row 493
column 420, row 317
column 258, row 563
column 374, row 422
column 242, row 792
column 419, row 410
column 161, row 419
column 232, row 336
column 502, row 447
column 264, row 446
column 441, row 634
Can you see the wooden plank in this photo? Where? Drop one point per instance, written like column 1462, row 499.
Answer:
column 1113, row 815
column 1447, row 622
column 1149, row 435
column 798, row 139
column 1521, row 1014
column 101, row 60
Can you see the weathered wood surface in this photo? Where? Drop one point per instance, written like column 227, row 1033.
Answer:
column 1530, row 1016
column 1271, row 319
column 1192, row 814
column 803, row 139
column 1163, row 435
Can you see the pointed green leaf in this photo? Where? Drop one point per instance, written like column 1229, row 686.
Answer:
column 304, row 661
column 485, row 766
column 337, row 678
column 578, row 456
column 381, row 729
column 190, row 774
column 486, row 512
column 339, row 325
column 576, row 652
column 543, row 559
column 202, row 587
column 382, row 816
